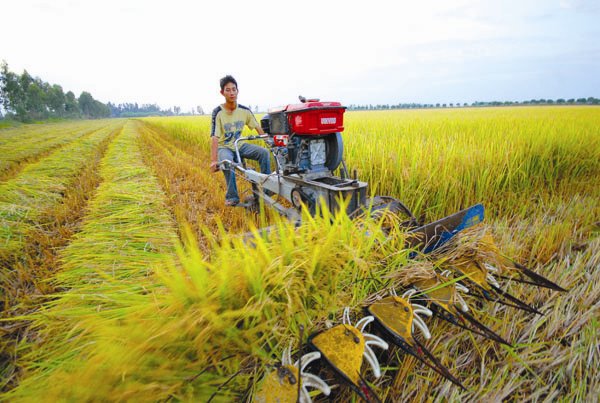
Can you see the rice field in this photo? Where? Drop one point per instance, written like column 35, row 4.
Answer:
column 123, row 275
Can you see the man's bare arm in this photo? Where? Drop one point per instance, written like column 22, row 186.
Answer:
column 214, row 146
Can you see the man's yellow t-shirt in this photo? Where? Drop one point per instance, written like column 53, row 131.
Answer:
column 228, row 126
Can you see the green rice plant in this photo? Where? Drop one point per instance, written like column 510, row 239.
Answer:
column 25, row 202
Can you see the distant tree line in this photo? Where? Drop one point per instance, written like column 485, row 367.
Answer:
column 132, row 110
column 129, row 110
column 560, row 101
column 26, row 98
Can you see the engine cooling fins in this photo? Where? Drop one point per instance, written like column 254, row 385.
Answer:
column 344, row 347
column 398, row 318
column 446, row 302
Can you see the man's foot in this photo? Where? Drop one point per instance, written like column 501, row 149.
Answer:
column 231, row 203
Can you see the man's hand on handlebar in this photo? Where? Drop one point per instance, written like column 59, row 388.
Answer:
column 214, row 166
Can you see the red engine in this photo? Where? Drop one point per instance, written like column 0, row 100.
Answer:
column 309, row 118
column 307, row 136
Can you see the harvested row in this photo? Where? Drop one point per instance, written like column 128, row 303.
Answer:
column 197, row 195
column 23, row 150
column 27, row 132
column 40, row 186
column 26, row 212
column 26, row 282
column 107, row 276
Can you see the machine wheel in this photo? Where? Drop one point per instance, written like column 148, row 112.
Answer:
column 297, row 198
column 395, row 206
column 335, row 151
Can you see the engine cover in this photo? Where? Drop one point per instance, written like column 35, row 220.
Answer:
column 310, row 118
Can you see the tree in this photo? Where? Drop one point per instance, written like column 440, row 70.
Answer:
column 71, row 106
column 25, row 98
column 176, row 109
column 199, row 110
column 13, row 99
column 91, row 108
column 35, row 101
column 86, row 104
column 56, row 100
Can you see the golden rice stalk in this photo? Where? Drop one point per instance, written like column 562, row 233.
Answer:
column 472, row 245
column 412, row 272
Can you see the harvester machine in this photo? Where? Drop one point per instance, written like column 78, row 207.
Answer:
column 306, row 143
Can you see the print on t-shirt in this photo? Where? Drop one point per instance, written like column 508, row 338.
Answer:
column 233, row 130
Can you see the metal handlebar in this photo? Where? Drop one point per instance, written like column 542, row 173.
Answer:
column 235, row 143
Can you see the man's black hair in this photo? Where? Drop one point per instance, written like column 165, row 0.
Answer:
column 226, row 80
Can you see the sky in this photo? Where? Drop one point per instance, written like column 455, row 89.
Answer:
column 173, row 52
